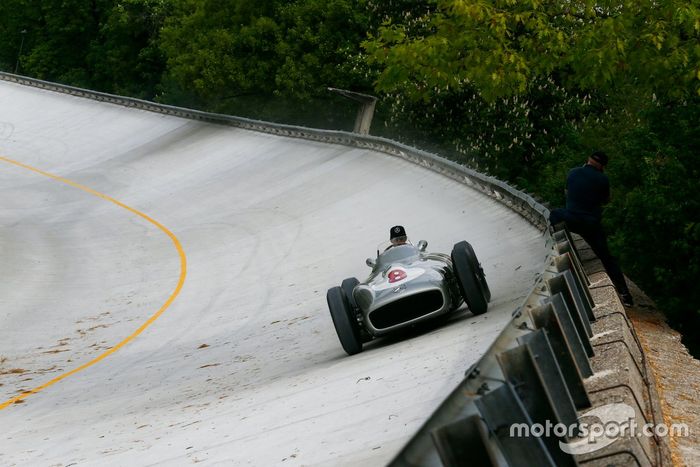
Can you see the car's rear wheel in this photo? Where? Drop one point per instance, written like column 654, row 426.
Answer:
column 346, row 325
column 476, row 265
column 470, row 277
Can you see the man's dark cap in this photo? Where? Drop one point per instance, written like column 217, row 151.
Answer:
column 397, row 231
column 600, row 157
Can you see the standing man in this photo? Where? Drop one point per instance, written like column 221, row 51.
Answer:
column 587, row 190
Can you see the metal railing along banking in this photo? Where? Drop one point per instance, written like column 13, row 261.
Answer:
column 533, row 371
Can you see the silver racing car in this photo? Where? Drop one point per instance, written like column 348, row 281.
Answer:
column 406, row 286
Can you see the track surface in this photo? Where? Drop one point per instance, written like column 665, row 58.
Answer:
column 243, row 367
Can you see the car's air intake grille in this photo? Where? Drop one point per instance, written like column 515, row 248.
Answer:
column 406, row 309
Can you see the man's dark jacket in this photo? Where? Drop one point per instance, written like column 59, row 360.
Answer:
column 587, row 190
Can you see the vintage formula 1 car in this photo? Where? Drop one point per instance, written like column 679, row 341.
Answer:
column 406, row 286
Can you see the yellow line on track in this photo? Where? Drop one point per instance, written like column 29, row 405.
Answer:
column 155, row 316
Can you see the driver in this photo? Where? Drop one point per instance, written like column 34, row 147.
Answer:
column 397, row 236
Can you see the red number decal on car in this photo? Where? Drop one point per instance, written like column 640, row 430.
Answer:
column 396, row 275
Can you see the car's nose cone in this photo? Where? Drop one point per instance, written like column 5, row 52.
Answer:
column 363, row 296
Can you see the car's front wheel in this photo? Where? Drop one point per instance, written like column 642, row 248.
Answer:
column 348, row 286
column 470, row 277
column 346, row 325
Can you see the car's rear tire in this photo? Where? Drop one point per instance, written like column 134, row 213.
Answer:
column 343, row 316
column 476, row 265
column 471, row 280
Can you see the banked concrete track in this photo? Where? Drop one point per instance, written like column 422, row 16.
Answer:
column 232, row 359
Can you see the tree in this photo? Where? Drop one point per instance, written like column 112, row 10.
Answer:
column 125, row 58
column 657, row 211
column 320, row 46
column 500, row 47
column 14, row 19
column 292, row 49
column 58, row 38
column 221, row 49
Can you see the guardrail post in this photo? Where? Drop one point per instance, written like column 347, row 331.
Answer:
column 532, row 370
column 564, row 243
column 363, row 120
column 562, row 234
column 576, row 339
column 545, row 364
column 582, row 286
column 502, row 409
column 564, row 284
column 567, row 348
column 465, row 443
column 568, row 262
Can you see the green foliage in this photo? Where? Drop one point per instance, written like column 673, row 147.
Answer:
column 57, row 39
column 510, row 137
column 232, row 52
column 209, row 46
column 319, row 47
column 657, row 215
column 13, row 20
column 102, row 44
column 125, row 58
column 500, row 47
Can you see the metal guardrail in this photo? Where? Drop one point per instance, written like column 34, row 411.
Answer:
column 535, row 368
